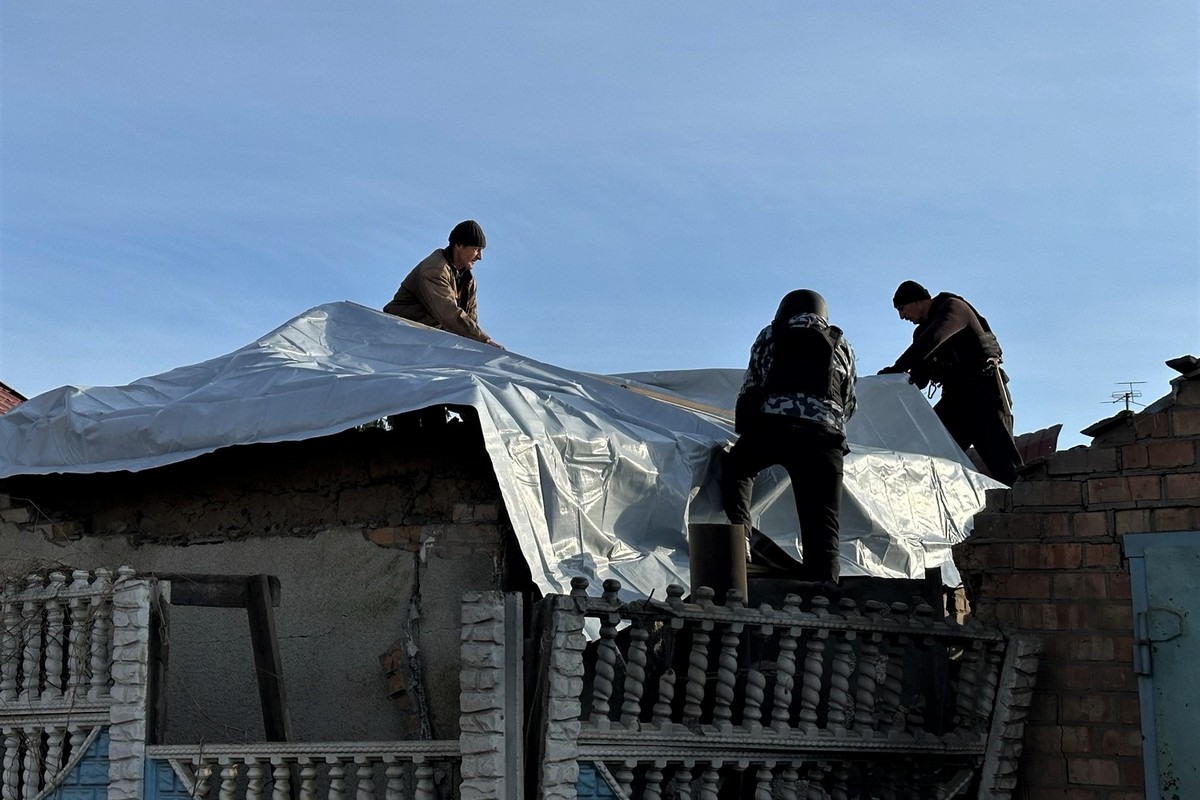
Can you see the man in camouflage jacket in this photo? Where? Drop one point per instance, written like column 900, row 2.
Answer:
column 792, row 411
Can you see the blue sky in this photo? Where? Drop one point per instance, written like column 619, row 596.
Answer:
column 177, row 179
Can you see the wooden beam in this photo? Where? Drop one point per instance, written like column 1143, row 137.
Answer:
column 214, row 591
column 268, row 666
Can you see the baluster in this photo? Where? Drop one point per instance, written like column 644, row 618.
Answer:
column 31, row 627
column 991, row 681
column 762, row 782
column 727, row 663
column 203, row 775
column 624, row 776
column 635, row 675
column 698, row 660
column 254, row 779
column 395, row 779
column 54, row 754
column 579, row 587
column 683, row 779
column 424, row 775
column 606, row 658
column 229, row 775
column 666, row 695
column 816, row 776
column 308, row 778
column 785, row 669
column 839, row 786
column 840, row 709
column 788, row 778
column 10, row 643
column 364, row 775
column 77, row 634
column 100, row 611
column 810, row 681
column 281, row 779
column 10, row 780
column 893, row 713
column 867, row 681
column 31, row 776
column 710, row 781
column 654, row 781
column 337, row 778
column 968, row 677
column 54, row 636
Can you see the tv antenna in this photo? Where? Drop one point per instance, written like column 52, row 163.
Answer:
column 1129, row 396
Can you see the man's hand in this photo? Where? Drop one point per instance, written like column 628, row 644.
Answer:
column 892, row 370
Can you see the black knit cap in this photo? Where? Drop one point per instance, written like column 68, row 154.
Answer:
column 468, row 233
column 909, row 292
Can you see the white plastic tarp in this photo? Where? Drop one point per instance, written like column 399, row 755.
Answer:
column 599, row 481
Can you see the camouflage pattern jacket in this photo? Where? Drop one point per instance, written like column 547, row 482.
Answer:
column 828, row 414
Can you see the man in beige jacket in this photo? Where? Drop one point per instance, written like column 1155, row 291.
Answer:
column 440, row 291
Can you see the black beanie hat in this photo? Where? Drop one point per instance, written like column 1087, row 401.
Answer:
column 909, row 292
column 469, row 233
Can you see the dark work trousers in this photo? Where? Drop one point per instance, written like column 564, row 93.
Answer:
column 977, row 410
column 813, row 460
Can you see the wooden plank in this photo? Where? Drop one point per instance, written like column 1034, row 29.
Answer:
column 213, row 591
column 268, row 666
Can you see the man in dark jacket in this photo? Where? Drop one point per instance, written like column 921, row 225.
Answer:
column 953, row 346
column 792, row 411
column 440, row 291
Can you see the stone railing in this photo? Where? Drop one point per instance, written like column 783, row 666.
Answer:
column 72, row 664
column 406, row 770
column 817, row 699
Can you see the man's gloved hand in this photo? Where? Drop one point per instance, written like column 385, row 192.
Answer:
column 892, row 370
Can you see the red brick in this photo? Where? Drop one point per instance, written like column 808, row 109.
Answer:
column 1060, row 555
column 1075, row 677
column 1134, row 456
column 1119, row 586
column 1089, row 647
column 1187, row 393
column 1101, row 555
column 1067, row 462
column 974, row 555
column 1006, row 525
column 1150, row 425
column 1175, row 519
column 1043, row 738
column 1133, row 772
column 1172, row 453
column 1056, row 526
column 1043, row 707
column 1121, row 742
column 1185, row 421
column 1090, row 525
column 1035, row 790
column 1132, row 521
column 1047, row 493
column 1077, row 739
column 1090, row 707
column 1131, row 710
column 1081, row 586
column 1184, row 486
column 1050, row 769
column 1115, row 678
column 384, row 537
column 1093, row 771
column 1021, row 586
column 1123, row 648
column 1108, row 490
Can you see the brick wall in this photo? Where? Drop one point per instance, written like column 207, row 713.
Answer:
column 1046, row 558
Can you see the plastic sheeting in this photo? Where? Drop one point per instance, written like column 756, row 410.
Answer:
column 599, row 481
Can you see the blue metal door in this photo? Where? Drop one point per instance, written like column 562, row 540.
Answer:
column 1163, row 570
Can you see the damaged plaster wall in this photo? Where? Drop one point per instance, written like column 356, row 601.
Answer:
column 351, row 525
